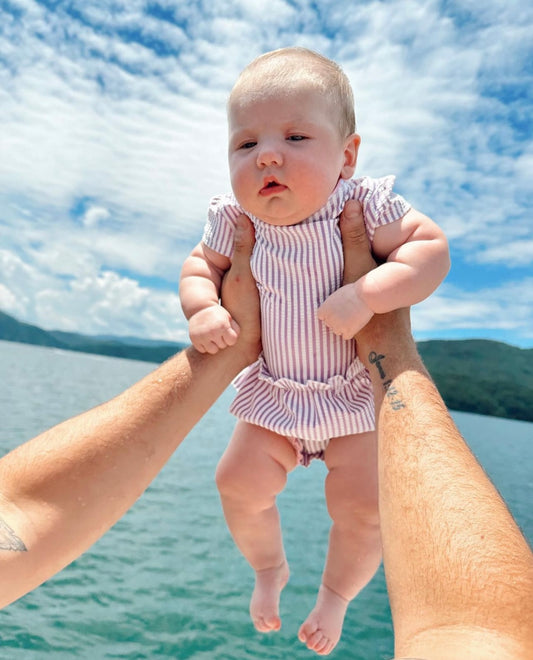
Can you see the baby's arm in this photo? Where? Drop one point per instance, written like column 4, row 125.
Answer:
column 417, row 260
column 416, row 257
column 210, row 325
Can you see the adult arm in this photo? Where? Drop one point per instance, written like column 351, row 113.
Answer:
column 64, row 489
column 459, row 572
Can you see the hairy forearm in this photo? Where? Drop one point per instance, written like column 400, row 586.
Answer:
column 62, row 490
column 455, row 561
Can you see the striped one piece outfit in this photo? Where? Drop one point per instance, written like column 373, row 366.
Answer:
column 308, row 383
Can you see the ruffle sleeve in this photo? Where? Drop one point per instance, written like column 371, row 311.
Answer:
column 381, row 205
column 220, row 226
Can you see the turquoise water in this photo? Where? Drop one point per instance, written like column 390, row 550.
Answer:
column 167, row 581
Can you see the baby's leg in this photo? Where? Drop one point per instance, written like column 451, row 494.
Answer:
column 250, row 474
column 354, row 552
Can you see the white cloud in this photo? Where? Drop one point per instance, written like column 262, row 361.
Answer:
column 94, row 215
column 121, row 113
column 278, row 12
column 9, row 303
column 91, row 304
column 508, row 307
column 512, row 254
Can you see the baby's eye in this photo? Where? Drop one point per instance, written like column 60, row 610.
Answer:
column 247, row 145
column 296, row 138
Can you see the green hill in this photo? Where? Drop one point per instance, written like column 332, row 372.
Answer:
column 474, row 375
column 481, row 376
column 13, row 330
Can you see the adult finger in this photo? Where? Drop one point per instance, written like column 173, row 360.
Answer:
column 239, row 290
column 358, row 259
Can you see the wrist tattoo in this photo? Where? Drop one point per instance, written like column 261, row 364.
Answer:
column 9, row 540
column 391, row 393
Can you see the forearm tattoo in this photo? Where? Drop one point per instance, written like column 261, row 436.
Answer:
column 391, row 393
column 9, row 540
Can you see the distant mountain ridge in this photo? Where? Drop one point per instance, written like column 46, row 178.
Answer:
column 473, row 375
column 482, row 376
column 142, row 349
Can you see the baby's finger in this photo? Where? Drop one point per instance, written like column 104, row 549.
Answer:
column 230, row 336
column 212, row 347
column 233, row 333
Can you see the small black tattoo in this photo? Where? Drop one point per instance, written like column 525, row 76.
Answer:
column 392, row 394
column 374, row 358
column 9, row 540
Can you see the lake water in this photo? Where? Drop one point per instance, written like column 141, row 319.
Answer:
column 167, row 581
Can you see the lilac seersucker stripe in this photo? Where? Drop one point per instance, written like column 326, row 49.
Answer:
column 308, row 383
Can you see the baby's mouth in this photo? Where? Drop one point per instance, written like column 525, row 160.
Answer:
column 272, row 187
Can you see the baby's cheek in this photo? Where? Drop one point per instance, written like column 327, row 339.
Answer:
column 240, row 184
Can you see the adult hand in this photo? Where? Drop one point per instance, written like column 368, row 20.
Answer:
column 239, row 290
column 358, row 260
column 449, row 560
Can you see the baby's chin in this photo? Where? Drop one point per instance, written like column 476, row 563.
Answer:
column 281, row 219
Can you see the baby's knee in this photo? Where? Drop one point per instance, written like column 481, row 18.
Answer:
column 350, row 513
column 258, row 481
column 234, row 481
column 227, row 478
column 354, row 513
column 348, row 506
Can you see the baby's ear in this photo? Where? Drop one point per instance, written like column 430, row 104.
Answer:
column 351, row 148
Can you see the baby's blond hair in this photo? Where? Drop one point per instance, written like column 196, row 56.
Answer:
column 274, row 72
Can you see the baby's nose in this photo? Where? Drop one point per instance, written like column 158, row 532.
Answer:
column 269, row 155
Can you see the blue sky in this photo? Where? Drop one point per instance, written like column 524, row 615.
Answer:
column 113, row 140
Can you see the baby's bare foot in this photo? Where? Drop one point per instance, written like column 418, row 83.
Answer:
column 264, row 606
column 322, row 629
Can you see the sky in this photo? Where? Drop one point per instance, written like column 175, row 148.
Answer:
column 113, row 140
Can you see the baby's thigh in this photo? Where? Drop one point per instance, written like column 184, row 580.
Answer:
column 352, row 480
column 255, row 461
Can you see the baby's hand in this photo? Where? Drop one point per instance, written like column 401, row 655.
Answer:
column 344, row 312
column 212, row 328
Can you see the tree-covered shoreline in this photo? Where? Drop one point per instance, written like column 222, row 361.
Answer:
column 473, row 375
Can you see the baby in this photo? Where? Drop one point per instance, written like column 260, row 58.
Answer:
column 292, row 153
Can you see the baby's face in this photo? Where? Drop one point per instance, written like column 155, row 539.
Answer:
column 286, row 154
